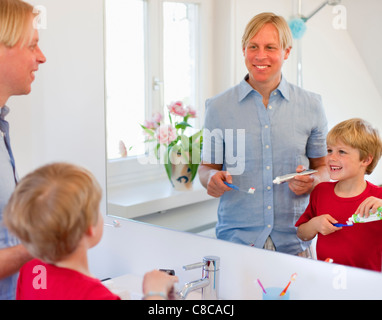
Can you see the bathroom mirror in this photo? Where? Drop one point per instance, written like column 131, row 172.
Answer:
column 339, row 56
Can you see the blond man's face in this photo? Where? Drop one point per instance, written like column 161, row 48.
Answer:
column 264, row 57
column 18, row 65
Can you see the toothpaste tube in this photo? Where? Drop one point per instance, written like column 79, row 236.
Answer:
column 355, row 218
column 290, row 176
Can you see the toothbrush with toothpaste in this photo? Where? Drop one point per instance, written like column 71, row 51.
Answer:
column 355, row 218
column 290, row 176
column 250, row 190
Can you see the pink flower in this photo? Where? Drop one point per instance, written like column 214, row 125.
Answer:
column 166, row 134
column 122, row 149
column 154, row 122
column 177, row 108
column 191, row 111
column 157, row 117
column 149, row 124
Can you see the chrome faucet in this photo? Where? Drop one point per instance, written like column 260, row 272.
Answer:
column 209, row 281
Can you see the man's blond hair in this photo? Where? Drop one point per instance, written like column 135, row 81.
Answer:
column 258, row 21
column 15, row 21
column 358, row 134
column 52, row 208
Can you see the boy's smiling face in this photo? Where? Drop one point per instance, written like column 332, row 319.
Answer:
column 343, row 162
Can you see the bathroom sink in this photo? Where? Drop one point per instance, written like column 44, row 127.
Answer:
column 129, row 287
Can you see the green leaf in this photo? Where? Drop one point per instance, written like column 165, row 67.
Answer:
column 156, row 150
column 168, row 164
column 174, row 142
column 182, row 125
column 148, row 131
column 194, row 170
column 185, row 142
column 196, row 135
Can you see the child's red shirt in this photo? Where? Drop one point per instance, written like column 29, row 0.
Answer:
column 359, row 245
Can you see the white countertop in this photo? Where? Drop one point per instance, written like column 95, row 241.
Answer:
column 132, row 201
column 129, row 287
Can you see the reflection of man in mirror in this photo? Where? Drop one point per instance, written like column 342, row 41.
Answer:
column 285, row 130
column 20, row 57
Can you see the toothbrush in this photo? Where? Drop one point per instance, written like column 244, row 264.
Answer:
column 292, row 278
column 290, row 176
column 356, row 219
column 261, row 285
column 250, row 190
column 339, row 225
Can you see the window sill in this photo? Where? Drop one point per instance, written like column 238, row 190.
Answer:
column 139, row 199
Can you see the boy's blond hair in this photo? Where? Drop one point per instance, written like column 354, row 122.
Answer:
column 15, row 21
column 52, row 208
column 258, row 21
column 358, row 134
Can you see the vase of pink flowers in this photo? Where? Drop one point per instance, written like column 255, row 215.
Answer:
column 177, row 143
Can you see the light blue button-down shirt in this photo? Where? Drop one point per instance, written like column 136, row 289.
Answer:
column 7, row 185
column 278, row 138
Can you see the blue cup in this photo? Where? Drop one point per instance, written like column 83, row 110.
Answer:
column 273, row 293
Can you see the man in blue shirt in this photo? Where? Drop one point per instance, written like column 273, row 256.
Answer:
column 20, row 57
column 262, row 128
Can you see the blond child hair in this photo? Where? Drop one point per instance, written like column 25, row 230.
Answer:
column 358, row 134
column 51, row 209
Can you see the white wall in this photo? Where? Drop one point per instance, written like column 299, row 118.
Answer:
column 334, row 68
column 364, row 27
column 63, row 118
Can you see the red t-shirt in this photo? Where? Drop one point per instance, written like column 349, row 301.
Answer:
column 42, row 281
column 357, row 246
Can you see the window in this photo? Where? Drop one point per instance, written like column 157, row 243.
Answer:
column 151, row 59
column 180, row 63
column 124, row 73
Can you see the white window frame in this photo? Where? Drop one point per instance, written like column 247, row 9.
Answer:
column 128, row 171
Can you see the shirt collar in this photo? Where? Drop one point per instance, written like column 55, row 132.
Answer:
column 3, row 112
column 245, row 88
column 283, row 88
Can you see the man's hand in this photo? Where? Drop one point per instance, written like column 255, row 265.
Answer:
column 302, row 184
column 216, row 186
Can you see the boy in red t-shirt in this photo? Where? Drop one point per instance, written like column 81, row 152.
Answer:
column 354, row 149
column 55, row 213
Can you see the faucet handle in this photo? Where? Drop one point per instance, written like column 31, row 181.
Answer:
column 193, row 266
column 211, row 263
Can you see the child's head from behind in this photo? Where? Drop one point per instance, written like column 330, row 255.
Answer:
column 52, row 208
column 360, row 135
